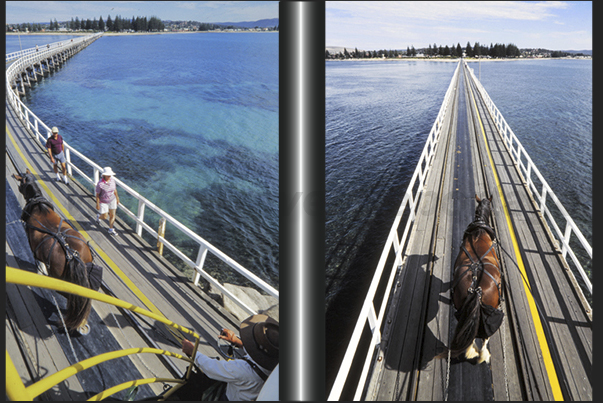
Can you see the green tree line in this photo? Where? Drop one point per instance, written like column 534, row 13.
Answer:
column 117, row 24
column 494, row 51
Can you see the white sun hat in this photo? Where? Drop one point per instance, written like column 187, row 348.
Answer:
column 107, row 171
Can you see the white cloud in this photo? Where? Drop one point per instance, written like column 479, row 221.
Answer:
column 442, row 10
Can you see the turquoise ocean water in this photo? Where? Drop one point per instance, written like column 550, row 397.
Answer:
column 190, row 121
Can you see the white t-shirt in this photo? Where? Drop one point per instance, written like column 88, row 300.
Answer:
column 243, row 383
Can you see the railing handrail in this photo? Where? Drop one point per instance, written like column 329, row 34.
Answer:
column 367, row 312
column 47, row 47
column 17, row 391
column 570, row 226
column 37, row 126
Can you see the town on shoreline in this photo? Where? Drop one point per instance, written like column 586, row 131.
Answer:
column 476, row 53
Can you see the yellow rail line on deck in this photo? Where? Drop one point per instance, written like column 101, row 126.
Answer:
column 544, row 347
column 96, row 247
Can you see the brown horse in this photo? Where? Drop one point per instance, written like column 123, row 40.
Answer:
column 476, row 287
column 62, row 249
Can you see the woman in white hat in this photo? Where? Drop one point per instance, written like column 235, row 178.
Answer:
column 245, row 377
column 107, row 198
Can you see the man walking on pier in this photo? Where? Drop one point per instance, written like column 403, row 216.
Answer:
column 56, row 153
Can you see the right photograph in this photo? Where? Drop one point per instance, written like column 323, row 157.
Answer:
column 458, row 156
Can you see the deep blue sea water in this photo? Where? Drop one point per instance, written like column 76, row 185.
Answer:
column 378, row 116
column 190, row 121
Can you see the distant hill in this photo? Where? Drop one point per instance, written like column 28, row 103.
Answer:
column 267, row 23
column 585, row 52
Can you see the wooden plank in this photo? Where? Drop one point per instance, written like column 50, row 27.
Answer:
column 431, row 382
column 401, row 358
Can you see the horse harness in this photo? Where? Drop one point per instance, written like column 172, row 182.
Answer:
column 477, row 266
column 58, row 236
column 491, row 317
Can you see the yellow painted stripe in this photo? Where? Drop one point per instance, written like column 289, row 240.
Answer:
column 544, row 347
column 97, row 248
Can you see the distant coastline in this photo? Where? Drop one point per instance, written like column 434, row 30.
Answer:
column 136, row 33
column 448, row 60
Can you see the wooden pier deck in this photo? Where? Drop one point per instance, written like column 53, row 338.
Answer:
column 133, row 272
column 543, row 350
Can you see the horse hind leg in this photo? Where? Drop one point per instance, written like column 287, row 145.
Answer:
column 484, row 354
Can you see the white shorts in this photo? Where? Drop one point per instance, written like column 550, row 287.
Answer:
column 105, row 207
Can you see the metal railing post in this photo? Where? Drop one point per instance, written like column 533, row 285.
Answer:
column 199, row 263
column 68, row 159
column 140, row 215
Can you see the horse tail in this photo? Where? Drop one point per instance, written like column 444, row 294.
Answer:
column 468, row 325
column 78, row 308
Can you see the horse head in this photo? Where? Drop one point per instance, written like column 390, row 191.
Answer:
column 483, row 209
column 27, row 185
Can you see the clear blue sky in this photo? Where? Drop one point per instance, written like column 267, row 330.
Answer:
column 374, row 25
column 202, row 11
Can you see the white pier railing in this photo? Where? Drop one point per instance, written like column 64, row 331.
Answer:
column 90, row 172
column 527, row 169
column 409, row 205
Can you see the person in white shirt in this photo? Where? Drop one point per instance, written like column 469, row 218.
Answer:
column 245, row 377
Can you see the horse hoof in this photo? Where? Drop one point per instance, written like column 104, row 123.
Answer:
column 471, row 352
column 484, row 356
column 84, row 330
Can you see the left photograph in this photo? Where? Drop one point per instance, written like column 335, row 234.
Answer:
column 142, row 200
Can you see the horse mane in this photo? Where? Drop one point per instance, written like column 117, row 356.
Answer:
column 477, row 230
column 43, row 206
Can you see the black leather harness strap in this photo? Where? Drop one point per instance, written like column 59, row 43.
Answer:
column 59, row 236
column 478, row 265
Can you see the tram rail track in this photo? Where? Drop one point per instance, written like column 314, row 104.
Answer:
column 483, row 187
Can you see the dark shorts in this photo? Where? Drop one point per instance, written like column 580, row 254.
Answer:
column 60, row 157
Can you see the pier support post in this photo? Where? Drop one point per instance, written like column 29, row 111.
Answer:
column 200, row 262
column 161, row 233
column 140, row 216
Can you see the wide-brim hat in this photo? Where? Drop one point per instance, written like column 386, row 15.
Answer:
column 259, row 334
column 107, row 171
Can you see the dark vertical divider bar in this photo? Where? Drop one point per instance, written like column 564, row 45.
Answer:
column 302, row 206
